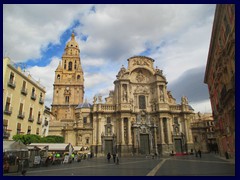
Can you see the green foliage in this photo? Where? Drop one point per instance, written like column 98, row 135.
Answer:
column 32, row 138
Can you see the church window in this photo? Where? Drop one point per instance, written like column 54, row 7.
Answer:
column 65, row 64
column 58, row 76
column 109, row 120
column 142, row 102
column 87, row 140
column 175, row 120
column 70, row 66
column 66, row 99
column 84, row 120
column 78, row 76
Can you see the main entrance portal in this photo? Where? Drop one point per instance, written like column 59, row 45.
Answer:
column 144, row 144
column 178, row 145
column 108, row 146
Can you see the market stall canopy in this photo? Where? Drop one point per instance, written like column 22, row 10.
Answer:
column 14, row 146
column 51, row 146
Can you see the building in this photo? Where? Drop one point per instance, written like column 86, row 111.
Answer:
column 47, row 117
column 23, row 102
column 220, row 77
column 203, row 133
column 140, row 116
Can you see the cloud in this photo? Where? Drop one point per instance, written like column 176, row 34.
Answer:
column 46, row 76
column 29, row 29
column 190, row 84
column 176, row 36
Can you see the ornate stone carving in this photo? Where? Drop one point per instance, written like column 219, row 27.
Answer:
column 140, row 76
column 140, row 62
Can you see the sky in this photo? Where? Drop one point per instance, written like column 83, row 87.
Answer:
column 177, row 37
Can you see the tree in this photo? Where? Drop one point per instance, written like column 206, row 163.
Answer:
column 32, row 138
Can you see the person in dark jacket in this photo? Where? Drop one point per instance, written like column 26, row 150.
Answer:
column 108, row 156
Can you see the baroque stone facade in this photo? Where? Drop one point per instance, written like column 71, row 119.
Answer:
column 140, row 116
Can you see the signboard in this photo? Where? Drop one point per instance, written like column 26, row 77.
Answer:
column 66, row 158
column 37, row 160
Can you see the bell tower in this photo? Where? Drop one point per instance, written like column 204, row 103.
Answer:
column 68, row 87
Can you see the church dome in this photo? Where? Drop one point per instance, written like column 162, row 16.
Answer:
column 84, row 105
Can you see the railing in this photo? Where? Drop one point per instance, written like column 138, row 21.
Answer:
column 21, row 116
column 12, row 84
column 6, row 134
column 8, row 110
column 41, row 101
column 46, row 123
column 107, row 107
column 24, row 91
column 33, row 97
column 31, row 118
column 175, row 108
column 39, row 121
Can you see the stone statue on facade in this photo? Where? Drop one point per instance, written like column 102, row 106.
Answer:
column 184, row 100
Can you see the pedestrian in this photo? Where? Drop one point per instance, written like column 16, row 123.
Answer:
column 114, row 157
column 200, row 153
column 24, row 172
column 196, row 153
column 117, row 158
column 108, row 156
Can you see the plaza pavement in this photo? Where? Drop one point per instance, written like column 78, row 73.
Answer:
column 188, row 165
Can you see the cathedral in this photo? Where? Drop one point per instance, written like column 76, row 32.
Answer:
column 139, row 117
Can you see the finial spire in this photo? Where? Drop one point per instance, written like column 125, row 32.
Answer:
column 73, row 35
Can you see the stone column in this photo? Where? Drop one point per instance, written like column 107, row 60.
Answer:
column 99, row 131
column 129, row 132
column 169, row 131
column 155, row 140
column 161, row 131
column 122, row 131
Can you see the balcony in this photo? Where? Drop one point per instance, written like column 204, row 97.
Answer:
column 24, row 91
column 31, row 119
column 12, row 84
column 41, row 101
column 33, row 97
column 6, row 135
column 46, row 123
column 21, row 115
column 8, row 111
column 39, row 121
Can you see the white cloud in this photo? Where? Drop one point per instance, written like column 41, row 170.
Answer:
column 177, row 37
column 46, row 76
column 28, row 29
column 203, row 106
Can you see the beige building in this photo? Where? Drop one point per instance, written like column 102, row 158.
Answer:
column 23, row 102
column 220, row 77
column 140, row 116
column 203, row 131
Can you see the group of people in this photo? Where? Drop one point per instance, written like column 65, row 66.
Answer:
column 115, row 157
column 198, row 153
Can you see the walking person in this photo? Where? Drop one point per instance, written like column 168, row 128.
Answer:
column 117, row 158
column 108, row 157
column 114, row 157
column 200, row 153
column 196, row 153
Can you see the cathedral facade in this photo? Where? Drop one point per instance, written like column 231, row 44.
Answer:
column 140, row 116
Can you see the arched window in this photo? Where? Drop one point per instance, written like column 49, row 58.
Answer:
column 65, row 65
column 142, row 102
column 58, row 76
column 75, row 65
column 70, row 66
column 78, row 77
